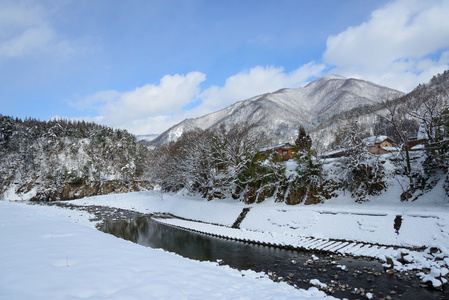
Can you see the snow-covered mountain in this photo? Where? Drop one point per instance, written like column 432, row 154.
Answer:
column 369, row 120
column 146, row 137
column 281, row 112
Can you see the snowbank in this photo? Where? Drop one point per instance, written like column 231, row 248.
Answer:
column 51, row 253
column 424, row 224
column 380, row 229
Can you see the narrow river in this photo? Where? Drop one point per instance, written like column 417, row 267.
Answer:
column 346, row 277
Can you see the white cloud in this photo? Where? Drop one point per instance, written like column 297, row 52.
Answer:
column 149, row 101
column 258, row 80
column 92, row 102
column 34, row 40
column 155, row 108
column 152, row 124
column 25, row 30
column 403, row 44
column 15, row 16
column 147, row 109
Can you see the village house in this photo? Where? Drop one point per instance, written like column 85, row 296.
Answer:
column 282, row 151
column 374, row 144
column 336, row 153
column 380, row 144
column 415, row 144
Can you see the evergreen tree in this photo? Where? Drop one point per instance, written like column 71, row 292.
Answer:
column 52, row 157
column 303, row 142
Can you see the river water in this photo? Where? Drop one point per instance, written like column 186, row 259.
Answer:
column 346, row 277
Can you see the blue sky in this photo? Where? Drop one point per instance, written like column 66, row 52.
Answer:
column 147, row 65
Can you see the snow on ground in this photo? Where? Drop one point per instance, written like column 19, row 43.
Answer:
column 381, row 228
column 338, row 225
column 53, row 253
column 422, row 224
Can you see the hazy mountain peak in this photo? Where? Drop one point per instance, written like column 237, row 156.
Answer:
column 331, row 76
column 281, row 112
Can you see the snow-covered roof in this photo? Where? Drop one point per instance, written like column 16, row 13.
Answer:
column 335, row 153
column 373, row 140
column 332, row 152
column 418, row 147
column 391, row 149
column 284, row 145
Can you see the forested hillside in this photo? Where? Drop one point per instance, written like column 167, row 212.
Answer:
column 399, row 117
column 232, row 163
column 62, row 159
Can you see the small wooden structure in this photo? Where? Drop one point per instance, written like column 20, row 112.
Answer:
column 283, row 151
column 380, row 144
column 336, row 153
column 415, row 144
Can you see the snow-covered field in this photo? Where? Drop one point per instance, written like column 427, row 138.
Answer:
column 54, row 253
column 382, row 228
column 423, row 224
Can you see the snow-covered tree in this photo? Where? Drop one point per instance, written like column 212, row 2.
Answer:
column 215, row 164
column 431, row 109
column 62, row 159
column 303, row 142
column 363, row 171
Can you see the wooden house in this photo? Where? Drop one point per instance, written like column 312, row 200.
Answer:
column 336, row 153
column 282, row 151
column 415, row 145
column 379, row 144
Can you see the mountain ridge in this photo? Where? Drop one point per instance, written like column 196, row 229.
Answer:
column 279, row 113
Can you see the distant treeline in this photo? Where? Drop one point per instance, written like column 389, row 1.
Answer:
column 42, row 158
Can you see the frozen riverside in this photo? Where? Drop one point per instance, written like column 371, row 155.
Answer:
column 406, row 236
column 395, row 257
column 54, row 253
column 287, row 241
column 44, row 239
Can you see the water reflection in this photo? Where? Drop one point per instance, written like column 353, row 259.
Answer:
column 147, row 232
column 359, row 274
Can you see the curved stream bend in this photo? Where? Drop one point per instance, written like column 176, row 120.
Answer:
column 347, row 277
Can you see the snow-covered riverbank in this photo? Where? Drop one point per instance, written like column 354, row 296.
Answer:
column 50, row 252
column 404, row 234
column 421, row 224
column 54, row 253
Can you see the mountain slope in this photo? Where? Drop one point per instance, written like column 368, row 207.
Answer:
column 411, row 108
column 60, row 159
column 281, row 112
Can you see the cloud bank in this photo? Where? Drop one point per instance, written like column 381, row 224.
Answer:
column 25, row 31
column 154, row 108
column 404, row 43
